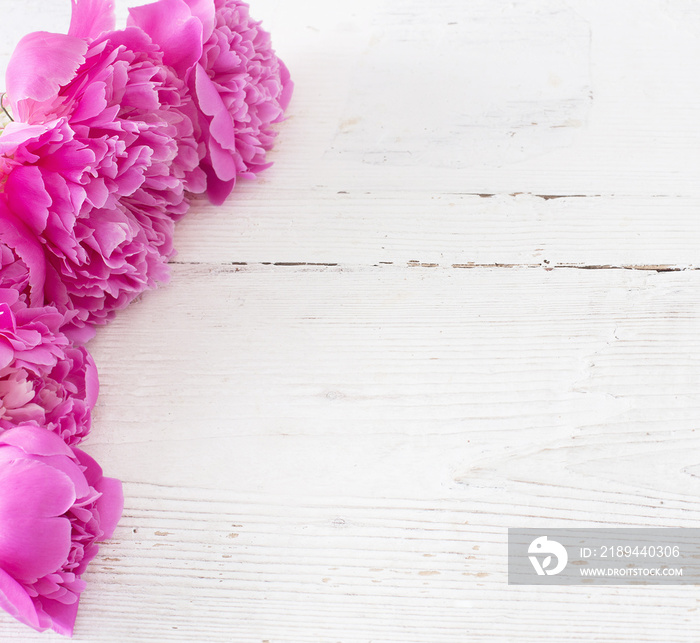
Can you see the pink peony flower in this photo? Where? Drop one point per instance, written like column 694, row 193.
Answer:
column 240, row 87
column 97, row 164
column 54, row 506
column 44, row 379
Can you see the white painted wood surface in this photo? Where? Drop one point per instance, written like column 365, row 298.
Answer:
column 465, row 298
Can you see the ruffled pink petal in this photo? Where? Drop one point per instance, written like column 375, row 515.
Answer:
column 15, row 234
column 25, row 188
column 40, row 64
column 111, row 503
column 91, row 17
column 16, row 133
column 171, row 25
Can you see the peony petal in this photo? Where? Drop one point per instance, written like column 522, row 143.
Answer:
column 40, row 64
column 71, row 469
column 209, row 101
column 91, row 17
column 222, row 161
column 9, row 296
column 16, row 133
column 25, row 188
column 15, row 234
column 62, row 615
column 18, row 604
column 217, row 190
column 92, row 381
column 93, row 471
column 35, row 440
column 35, row 539
column 7, row 319
column 80, row 334
column 110, row 504
column 7, row 354
column 205, row 11
column 171, row 25
column 287, row 87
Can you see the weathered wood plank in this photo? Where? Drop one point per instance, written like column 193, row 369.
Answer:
column 320, row 225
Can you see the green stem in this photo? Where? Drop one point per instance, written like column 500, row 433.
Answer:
column 4, row 109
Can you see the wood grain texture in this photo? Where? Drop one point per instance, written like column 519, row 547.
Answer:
column 465, row 298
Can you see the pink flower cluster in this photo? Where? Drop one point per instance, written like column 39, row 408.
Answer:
column 112, row 133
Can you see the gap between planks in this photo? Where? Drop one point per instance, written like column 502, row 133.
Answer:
column 415, row 263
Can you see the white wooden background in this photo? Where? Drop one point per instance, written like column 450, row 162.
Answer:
column 465, row 298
